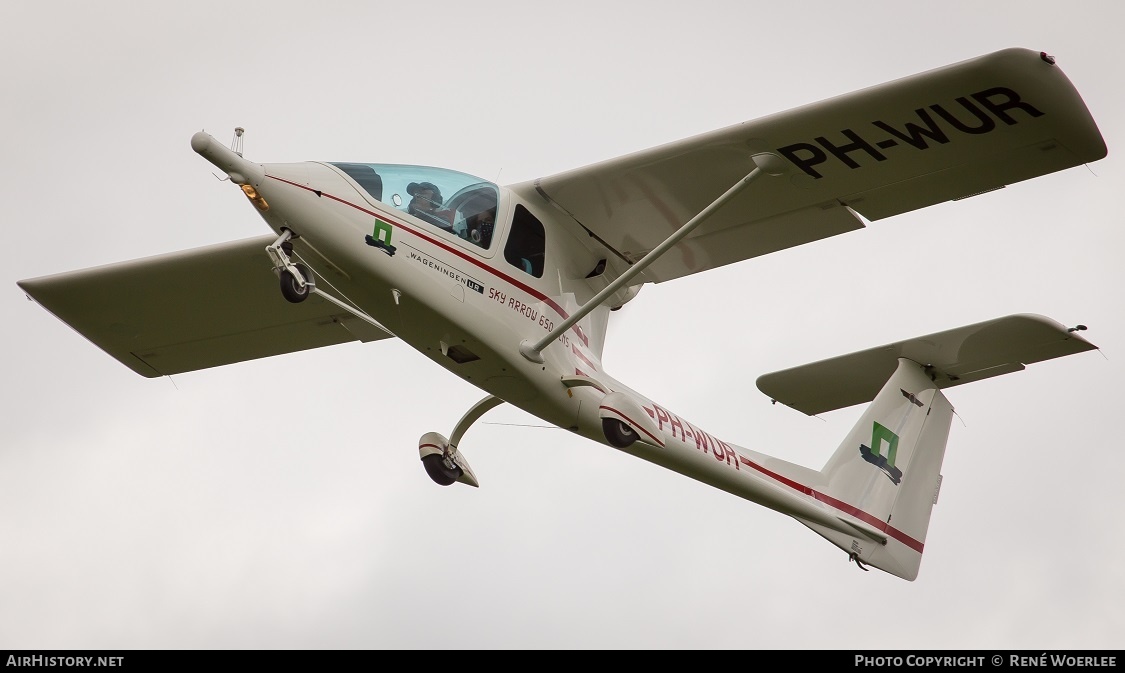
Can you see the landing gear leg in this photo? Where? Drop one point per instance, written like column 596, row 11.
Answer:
column 440, row 456
column 296, row 279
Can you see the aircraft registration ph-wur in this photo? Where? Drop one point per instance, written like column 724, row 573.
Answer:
column 512, row 287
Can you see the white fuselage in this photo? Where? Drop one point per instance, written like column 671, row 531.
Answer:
column 445, row 296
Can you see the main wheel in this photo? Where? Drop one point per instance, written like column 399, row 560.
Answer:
column 292, row 289
column 618, row 433
column 442, row 475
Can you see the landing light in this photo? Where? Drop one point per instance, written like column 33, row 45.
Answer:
column 255, row 197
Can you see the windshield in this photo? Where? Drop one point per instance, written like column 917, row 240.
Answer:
column 453, row 202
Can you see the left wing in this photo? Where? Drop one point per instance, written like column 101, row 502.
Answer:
column 914, row 142
column 193, row 310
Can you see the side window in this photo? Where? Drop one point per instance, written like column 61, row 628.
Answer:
column 454, row 202
column 526, row 243
column 367, row 178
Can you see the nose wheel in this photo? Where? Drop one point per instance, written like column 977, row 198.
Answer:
column 295, row 289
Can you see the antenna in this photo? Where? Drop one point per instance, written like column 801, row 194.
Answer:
column 236, row 143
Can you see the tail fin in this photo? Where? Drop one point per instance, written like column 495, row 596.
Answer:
column 888, row 469
column 884, row 477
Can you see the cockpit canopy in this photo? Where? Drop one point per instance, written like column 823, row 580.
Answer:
column 454, row 202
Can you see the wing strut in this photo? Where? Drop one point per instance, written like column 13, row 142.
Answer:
column 765, row 162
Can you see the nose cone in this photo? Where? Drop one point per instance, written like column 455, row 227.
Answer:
column 200, row 141
column 240, row 171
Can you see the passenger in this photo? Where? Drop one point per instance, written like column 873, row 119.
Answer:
column 425, row 203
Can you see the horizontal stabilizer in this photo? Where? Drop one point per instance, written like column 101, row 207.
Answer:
column 193, row 310
column 953, row 357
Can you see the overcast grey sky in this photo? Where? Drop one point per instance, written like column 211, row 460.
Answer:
column 214, row 510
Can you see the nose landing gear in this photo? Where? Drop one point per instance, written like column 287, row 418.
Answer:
column 296, row 285
column 296, row 280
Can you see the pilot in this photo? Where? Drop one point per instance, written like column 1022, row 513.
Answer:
column 479, row 227
column 425, row 203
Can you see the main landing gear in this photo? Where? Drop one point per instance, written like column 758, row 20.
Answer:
column 618, row 433
column 440, row 456
column 443, row 469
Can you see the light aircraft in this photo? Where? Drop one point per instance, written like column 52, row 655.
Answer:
column 512, row 287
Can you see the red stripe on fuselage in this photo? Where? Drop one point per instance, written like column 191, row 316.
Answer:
column 844, row 507
column 441, row 244
column 578, row 354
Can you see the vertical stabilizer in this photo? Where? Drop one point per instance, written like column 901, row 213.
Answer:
column 885, row 474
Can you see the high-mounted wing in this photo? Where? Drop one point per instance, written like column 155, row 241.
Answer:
column 945, row 134
column 193, row 310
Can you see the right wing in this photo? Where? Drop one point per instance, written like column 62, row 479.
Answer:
column 194, row 309
column 945, row 134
